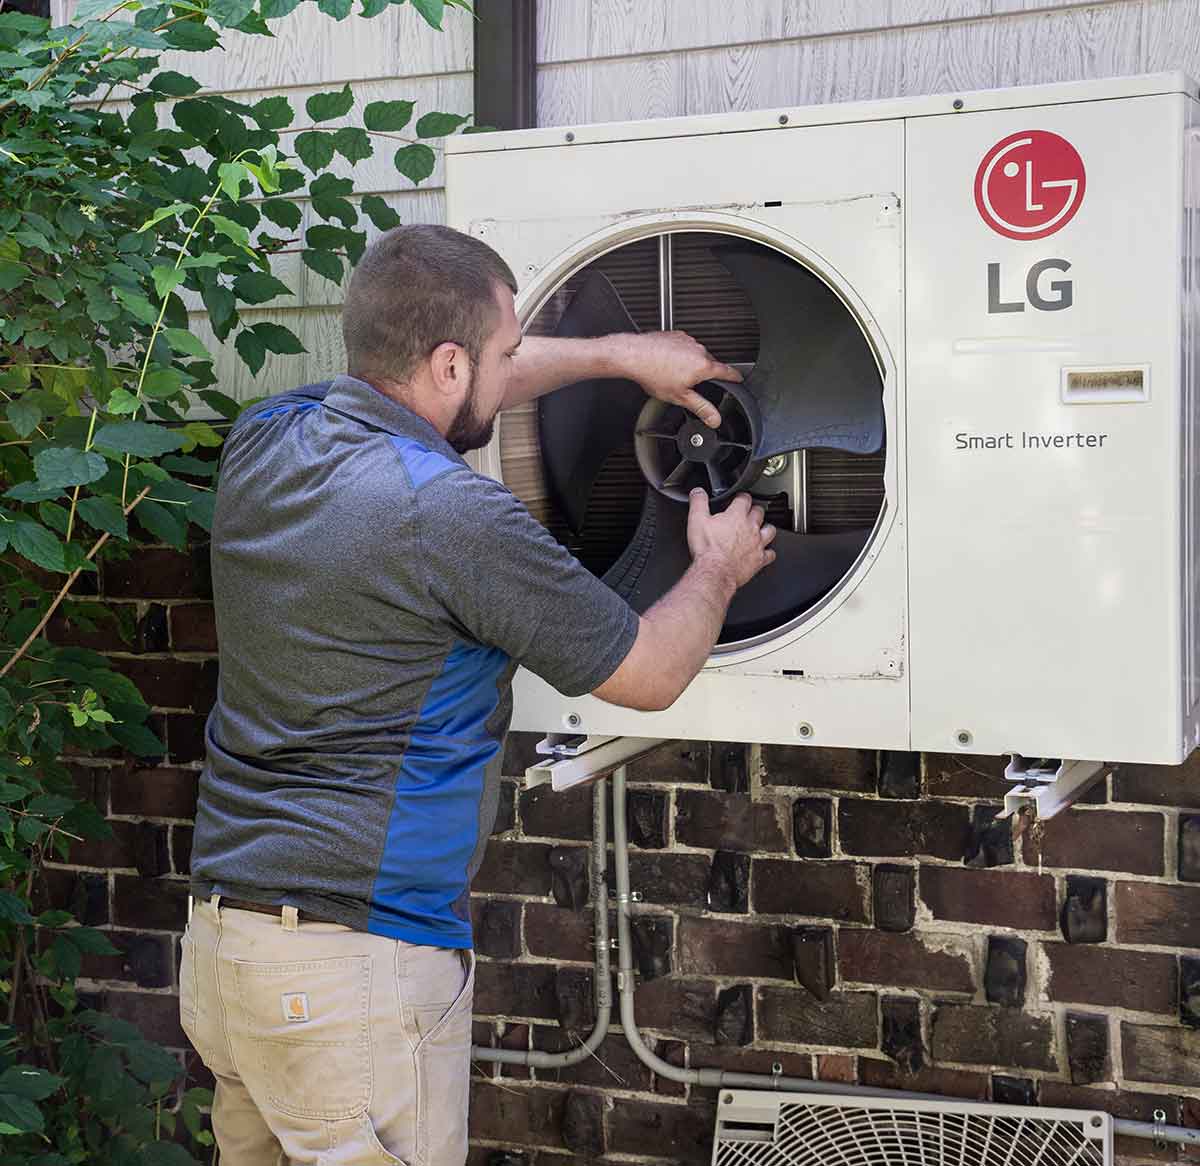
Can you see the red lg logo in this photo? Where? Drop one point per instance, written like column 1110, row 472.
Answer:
column 1029, row 185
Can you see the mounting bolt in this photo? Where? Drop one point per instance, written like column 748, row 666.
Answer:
column 635, row 896
column 574, row 720
column 963, row 737
column 570, row 137
column 958, row 103
column 804, row 729
column 727, row 1099
column 775, row 465
column 783, row 119
column 697, row 440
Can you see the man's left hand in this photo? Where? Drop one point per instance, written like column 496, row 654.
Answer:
column 669, row 365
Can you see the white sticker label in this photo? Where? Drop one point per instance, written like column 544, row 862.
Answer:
column 295, row 1007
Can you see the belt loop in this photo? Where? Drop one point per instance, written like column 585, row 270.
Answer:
column 291, row 918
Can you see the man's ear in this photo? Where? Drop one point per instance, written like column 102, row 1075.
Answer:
column 448, row 364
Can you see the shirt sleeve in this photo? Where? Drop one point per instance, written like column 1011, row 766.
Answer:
column 503, row 579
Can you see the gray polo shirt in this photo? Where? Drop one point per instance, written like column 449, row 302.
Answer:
column 373, row 597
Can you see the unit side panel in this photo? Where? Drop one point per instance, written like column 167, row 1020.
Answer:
column 1044, row 431
column 1190, row 367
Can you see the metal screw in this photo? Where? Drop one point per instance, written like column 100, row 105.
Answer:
column 697, row 440
column 574, row 720
column 805, row 730
column 570, row 137
column 635, row 896
column 958, row 103
column 783, row 119
column 728, row 1099
column 963, row 737
column 775, row 465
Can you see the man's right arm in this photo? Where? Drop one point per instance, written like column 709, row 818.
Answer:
column 677, row 634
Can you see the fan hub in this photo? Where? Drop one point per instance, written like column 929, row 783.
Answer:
column 696, row 442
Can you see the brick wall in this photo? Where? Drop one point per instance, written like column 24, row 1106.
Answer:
column 848, row 915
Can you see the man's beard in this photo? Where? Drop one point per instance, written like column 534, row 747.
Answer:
column 468, row 431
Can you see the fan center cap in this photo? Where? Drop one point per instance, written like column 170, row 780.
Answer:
column 696, row 442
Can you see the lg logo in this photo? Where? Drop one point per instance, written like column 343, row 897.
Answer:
column 1028, row 186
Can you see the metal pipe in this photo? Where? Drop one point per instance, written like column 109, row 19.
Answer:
column 666, row 283
column 603, row 980
column 1152, row 1131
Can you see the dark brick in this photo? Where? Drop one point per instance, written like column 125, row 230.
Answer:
column 576, row 1000
column 949, row 776
column 679, row 1133
column 904, row 829
column 731, row 768
column 111, row 634
column 653, row 939
column 894, row 897
column 151, row 853
column 145, row 960
column 760, row 1061
column 185, row 736
column 714, row 947
column 812, row 957
column 902, row 1039
column 735, row 1016
column 720, row 821
column 555, row 932
column 515, row 868
column 154, row 793
column 1158, row 914
column 993, row 1036
column 1189, row 991
column 946, row 1082
column 547, row 814
column 1099, row 840
column 1168, row 1056
column 158, row 573
column 647, row 817
column 943, row 964
column 1004, row 976
column 497, row 927
column 1189, row 848
column 193, row 627
column 583, row 1123
column 614, row 1056
column 93, row 785
column 899, row 775
column 1014, row 1090
column 156, row 1016
column 503, row 989
column 174, row 684
column 851, row 770
column 152, row 633
column 674, row 1053
column 685, row 1009
column 1108, row 977
column 527, row 1116
column 115, row 851
column 680, row 879
column 822, row 890
column 1084, row 917
column 728, row 887
column 845, row 1020
column 1159, row 785
column 991, row 838
column 1118, row 1102
column 181, row 849
column 158, row 905
column 569, row 876
column 1018, row 899
column 84, row 895
column 835, row 1067
column 812, row 827
column 676, row 761
column 1087, row 1048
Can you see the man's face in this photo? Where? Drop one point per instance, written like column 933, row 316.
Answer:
column 476, row 417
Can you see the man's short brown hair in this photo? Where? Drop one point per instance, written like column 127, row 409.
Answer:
column 417, row 287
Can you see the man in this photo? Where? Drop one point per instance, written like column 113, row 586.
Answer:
column 373, row 598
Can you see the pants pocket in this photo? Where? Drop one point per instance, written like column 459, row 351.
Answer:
column 306, row 1028
column 187, row 985
column 443, row 1058
column 355, row 1143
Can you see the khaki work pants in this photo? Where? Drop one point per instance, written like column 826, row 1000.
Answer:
column 329, row 1046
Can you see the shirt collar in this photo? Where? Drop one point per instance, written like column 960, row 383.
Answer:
column 365, row 403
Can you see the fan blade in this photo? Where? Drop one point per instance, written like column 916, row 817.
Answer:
column 581, row 424
column 806, row 567
column 816, row 380
column 657, row 556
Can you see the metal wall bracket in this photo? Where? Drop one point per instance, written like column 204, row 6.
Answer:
column 572, row 759
column 1043, row 786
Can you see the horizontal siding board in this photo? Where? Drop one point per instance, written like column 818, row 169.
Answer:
column 1172, row 36
column 1072, row 45
column 947, row 58
column 279, row 372
column 620, row 90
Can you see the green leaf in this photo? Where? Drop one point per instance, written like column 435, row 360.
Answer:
column 251, row 349
column 174, row 84
column 11, row 274
column 372, row 8
column 273, row 113
column 229, row 13
column 206, row 259
column 90, row 9
column 200, row 511
column 282, row 213
column 24, row 416
column 55, row 516
column 89, row 940
column 352, row 143
column 122, row 401
column 187, row 343
column 277, row 9
column 166, row 212
column 137, row 305
column 387, row 115
column 37, row 544
column 378, row 211
column 219, row 403
column 104, row 514
column 50, row 805
column 257, row 287
column 221, row 304
column 137, row 739
column 166, row 280
column 276, row 338
column 338, row 9
column 324, row 263
column 431, row 10
column 325, row 106
column 64, row 466
column 162, row 522
column 31, row 492
column 162, row 383
column 315, row 149
column 232, row 175
column 165, row 1154
column 231, row 230
column 438, row 125
column 415, row 162
column 201, row 433
column 20, row 1114
column 138, row 438
column 13, row 909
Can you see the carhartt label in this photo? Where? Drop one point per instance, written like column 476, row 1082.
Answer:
column 295, row 1006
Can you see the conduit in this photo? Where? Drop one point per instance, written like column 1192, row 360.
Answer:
column 708, row 1078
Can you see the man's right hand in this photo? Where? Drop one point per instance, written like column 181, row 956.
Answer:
column 736, row 542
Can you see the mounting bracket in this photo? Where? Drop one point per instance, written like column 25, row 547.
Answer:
column 1045, row 785
column 575, row 758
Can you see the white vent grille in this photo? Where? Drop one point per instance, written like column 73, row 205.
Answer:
column 769, row 1129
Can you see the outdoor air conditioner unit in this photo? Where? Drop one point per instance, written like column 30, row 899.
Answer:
column 968, row 327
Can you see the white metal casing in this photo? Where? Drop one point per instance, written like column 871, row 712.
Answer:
column 1030, row 600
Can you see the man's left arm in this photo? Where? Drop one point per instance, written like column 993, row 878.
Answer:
column 668, row 365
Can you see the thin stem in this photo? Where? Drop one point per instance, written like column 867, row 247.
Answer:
column 19, row 957
column 75, row 492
